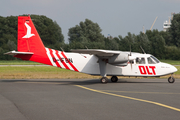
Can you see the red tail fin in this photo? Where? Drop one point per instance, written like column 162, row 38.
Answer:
column 30, row 41
column 28, row 37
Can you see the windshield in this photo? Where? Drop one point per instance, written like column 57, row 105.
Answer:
column 155, row 59
column 151, row 61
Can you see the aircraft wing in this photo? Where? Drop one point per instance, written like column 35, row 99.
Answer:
column 97, row 52
column 16, row 53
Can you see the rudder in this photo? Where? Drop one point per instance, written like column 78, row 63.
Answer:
column 28, row 37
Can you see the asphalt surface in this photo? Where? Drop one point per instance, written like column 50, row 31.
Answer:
column 80, row 99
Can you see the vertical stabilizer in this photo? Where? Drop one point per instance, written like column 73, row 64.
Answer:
column 30, row 41
column 28, row 37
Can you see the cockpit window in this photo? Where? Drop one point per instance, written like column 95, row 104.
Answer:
column 155, row 59
column 140, row 61
column 150, row 60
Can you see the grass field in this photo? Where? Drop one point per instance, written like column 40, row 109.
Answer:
column 39, row 72
column 18, row 62
column 172, row 62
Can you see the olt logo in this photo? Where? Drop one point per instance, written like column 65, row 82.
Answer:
column 147, row 70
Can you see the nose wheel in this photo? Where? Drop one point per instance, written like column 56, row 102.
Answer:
column 171, row 79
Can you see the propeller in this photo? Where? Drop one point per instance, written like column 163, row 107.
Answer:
column 131, row 58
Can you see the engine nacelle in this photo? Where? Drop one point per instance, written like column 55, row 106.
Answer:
column 122, row 58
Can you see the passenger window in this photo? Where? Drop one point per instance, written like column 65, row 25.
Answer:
column 140, row 61
column 137, row 60
column 131, row 61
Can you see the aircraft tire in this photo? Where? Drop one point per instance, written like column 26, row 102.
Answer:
column 104, row 80
column 171, row 79
column 114, row 79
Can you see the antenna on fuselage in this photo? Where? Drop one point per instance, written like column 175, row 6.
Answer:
column 61, row 49
column 142, row 50
column 86, row 47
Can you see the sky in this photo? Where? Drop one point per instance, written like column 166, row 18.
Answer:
column 115, row 17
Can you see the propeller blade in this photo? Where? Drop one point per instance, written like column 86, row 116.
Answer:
column 130, row 58
column 130, row 50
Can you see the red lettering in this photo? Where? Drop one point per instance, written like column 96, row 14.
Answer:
column 153, row 67
column 142, row 70
column 148, row 71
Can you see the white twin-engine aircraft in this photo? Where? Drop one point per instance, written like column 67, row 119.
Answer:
column 89, row 61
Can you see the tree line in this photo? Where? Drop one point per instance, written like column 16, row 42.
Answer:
column 87, row 34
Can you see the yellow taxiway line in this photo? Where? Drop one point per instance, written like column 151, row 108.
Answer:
column 131, row 98
column 122, row 96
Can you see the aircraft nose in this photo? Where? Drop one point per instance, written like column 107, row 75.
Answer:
column 173, row 69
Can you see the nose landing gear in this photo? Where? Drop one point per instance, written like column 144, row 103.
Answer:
column 171, row 79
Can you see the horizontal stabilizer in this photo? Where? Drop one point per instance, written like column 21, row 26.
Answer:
column 18, row 53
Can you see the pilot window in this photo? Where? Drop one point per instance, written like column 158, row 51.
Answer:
column 140, row 60
column 155, row 59
column 150, row 60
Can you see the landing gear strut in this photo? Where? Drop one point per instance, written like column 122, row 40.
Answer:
column 104, row 80
column 114, row 79
column 171, row 79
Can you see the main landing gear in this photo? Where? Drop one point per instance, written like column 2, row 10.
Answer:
column 102, row 68
column 105, row 79
column 114, row 79
column 171, row 79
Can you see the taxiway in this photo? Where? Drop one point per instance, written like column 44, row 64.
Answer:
column 86, row 99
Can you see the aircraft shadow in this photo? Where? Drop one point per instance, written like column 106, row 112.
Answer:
column 79, row 81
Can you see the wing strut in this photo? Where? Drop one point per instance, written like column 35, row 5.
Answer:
column 102, row 68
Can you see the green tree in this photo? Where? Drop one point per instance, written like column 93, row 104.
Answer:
column 127, row 42
column 158, row 46
column 87, row 33
column 174, row 31
column 143, row 41
column 172, row 52
column 11, row 45
column 111, row 44
column 49, row 31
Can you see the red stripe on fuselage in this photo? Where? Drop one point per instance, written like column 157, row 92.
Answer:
column 62, row 53
column 62, row 61
column 53, row 57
